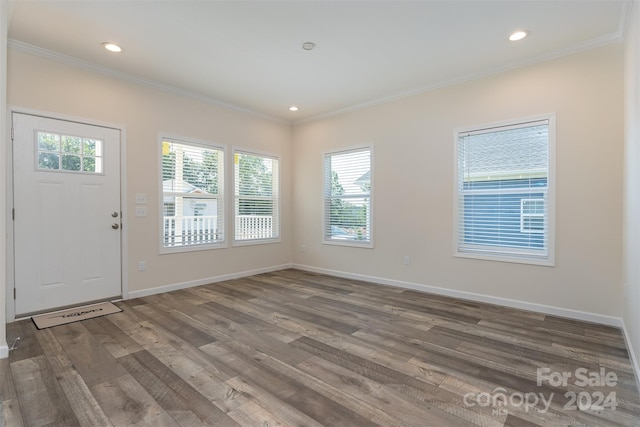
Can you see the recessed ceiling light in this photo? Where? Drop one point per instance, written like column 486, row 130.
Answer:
column 518, row 35
column 112, row 47
column 293, row 108
column 308, row 45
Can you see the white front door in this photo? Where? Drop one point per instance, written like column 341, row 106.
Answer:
column 66, row 180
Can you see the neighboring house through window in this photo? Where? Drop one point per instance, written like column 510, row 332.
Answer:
column 192, row 195
column 505, row 186
column 347, row 197
column 532, row 216
column 257, row 202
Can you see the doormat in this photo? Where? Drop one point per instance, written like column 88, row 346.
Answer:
column 76, row 314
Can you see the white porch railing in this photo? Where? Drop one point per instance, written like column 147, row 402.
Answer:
column 190, row 230
column 250, row 227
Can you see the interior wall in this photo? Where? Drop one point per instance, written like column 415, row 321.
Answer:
column 43, row 84
column 413, row 177
column 631, row 305
column 413, row 181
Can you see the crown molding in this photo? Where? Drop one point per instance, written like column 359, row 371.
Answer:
column 616, row 37
column 87, row 65
column 625, row 18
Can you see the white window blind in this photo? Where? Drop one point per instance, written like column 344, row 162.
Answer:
column 256, row 197
column 347, row 197
column 192, row 194
column 503, row 191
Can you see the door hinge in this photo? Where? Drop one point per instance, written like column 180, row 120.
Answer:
column 11, row 133
column 14, row 293
column 13, row 214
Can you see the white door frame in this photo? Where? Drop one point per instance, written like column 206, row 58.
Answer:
column 10, row 262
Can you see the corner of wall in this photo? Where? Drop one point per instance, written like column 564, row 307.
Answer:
column 632, row 354
column 4, row 23
column 631, row 212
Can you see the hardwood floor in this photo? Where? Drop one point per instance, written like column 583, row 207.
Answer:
column 292, row 348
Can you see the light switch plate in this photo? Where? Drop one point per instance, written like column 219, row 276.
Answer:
column 141, row 211
column 141, row 198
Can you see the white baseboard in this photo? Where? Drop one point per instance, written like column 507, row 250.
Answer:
column 4, row 351
column 522, row 305
column 632, row 354
column 206, row 281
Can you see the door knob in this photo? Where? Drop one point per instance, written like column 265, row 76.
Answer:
column 114, row 214
column 115, row 226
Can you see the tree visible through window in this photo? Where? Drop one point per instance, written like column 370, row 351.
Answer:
column 348, row 197
column 69, row 153
column 192, row 187
column 256, row 197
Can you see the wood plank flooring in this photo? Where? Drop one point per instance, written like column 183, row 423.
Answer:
column 293, row 348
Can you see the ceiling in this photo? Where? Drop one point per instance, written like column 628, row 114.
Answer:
column 249, row 55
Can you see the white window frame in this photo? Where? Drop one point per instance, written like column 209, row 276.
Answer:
column 523, row 227
column 220, row 196
column 500, row 254
column 326, row 191
column 276, row 238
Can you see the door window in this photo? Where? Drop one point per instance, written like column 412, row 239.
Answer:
column 58, row 152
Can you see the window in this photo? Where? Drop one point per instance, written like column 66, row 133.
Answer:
column 532, row 216
column 504, row 181
column 68, row 153
column 347, row 197
column 192, row 194
column 256, row 197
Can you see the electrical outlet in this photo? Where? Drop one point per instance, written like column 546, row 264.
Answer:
column 406, row 260
column 142, row 266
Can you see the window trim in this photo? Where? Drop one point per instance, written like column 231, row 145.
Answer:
column 278, row 199
column 519, row 256
column 222, row 190
column 523, row 228
column 367, row 244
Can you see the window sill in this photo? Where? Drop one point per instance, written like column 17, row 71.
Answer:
column 191, row 248
column 544, row 262
column 256, row 242
column 350, row 243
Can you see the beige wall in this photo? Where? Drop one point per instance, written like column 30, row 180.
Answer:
column 413, row 176
column 413, row 184
column 50, row 86
column 631, row 279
